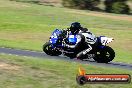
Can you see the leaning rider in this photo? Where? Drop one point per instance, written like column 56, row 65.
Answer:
column 85, row 40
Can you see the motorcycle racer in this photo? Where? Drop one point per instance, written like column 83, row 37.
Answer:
column 85, row 40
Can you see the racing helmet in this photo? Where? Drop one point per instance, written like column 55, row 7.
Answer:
column 75, row 27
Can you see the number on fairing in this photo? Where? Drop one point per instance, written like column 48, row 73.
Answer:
column 104, row 40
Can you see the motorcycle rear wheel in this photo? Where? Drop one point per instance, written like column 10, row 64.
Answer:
column 105, row 55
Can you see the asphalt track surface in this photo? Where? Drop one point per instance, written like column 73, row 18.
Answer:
column 28, row 53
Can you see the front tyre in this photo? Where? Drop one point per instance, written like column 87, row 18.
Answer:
column 105, row 55
column 49, row 50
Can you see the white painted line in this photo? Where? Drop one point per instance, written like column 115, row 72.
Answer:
column 9, row 54
column 16, row 55
column 25, row 56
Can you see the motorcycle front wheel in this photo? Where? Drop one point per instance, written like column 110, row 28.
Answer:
column 49, row 50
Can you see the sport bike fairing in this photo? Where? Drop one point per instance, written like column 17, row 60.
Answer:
column 72, row 39
column 54, row 36
column 105, row 40
column 90, row 38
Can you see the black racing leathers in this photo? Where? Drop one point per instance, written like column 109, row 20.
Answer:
column 85, row 42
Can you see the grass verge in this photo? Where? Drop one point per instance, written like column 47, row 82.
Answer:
column 27, row 72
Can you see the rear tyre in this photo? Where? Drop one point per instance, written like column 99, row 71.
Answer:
column 50, row 50
column 105, row 55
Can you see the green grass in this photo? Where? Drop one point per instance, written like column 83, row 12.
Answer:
column 27, row 72
column 28, row 26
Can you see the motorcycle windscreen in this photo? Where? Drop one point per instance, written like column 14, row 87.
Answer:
column 56, row 33
column 54, row 36
column 53, row 40
column 72, row 39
